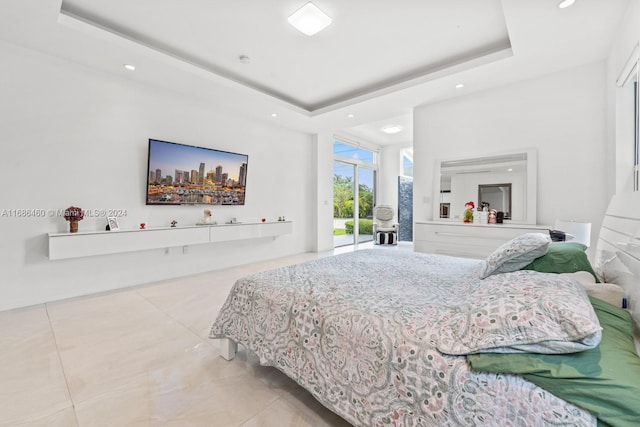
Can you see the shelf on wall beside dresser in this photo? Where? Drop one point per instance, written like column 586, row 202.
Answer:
column 91, row 243
column 471, row 240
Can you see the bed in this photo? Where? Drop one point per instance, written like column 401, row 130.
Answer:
column 406, row 339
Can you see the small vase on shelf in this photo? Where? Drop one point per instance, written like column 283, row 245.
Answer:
column 73, row 214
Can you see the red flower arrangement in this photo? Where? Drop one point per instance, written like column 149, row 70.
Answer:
column 73, row 214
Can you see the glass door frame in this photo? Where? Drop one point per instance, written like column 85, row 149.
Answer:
column 356, row 166
column 354, row 191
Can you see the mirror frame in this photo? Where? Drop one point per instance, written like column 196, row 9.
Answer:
column 530, row 199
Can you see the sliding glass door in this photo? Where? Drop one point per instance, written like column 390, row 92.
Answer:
column 354, row 181
column 366, row 200
column 343, row 204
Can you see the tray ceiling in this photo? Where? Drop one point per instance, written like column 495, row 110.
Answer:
column 370, row 68
column 370, row 46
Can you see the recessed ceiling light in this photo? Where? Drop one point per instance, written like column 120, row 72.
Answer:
column 392, row 129
column 510, row 170
column 351, row 116
column 129, row 67
column 274, row 114
column 309, row 19
column 566, row 3
column 459, row 85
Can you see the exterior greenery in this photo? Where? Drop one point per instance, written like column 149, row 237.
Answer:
column 343, row 198
column 365, row 226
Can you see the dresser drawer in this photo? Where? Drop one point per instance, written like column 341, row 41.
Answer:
column 467, row 240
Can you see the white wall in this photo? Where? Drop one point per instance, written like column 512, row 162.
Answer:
column 389, row 169
column 323, row 200
column 562, row 115
column 76, row 136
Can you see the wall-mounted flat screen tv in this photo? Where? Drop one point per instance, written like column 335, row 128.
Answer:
column 179, row 174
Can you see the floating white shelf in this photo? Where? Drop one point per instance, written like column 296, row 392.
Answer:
column 91, row 243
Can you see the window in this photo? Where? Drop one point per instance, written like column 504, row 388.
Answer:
column 354, row 153
column 407, row 162
column 627, row 128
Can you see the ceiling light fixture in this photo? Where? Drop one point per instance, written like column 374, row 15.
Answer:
column 459, row 85
column 566, row 3
column 351, row 116
column 391, row 129
column 274, row 115
column 309, row 19
column 129, row 67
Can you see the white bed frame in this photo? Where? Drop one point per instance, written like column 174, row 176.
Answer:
column 617, row 258
column 228, row 348
column 618, row 251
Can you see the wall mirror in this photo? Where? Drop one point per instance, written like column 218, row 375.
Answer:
column 495, row 196
column 507, row 182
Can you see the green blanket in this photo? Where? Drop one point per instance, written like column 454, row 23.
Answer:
column 604, row 380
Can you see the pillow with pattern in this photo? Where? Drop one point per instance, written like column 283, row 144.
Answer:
column 515, row 254
column 523, row 311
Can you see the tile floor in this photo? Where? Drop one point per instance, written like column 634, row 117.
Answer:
column 141, row 357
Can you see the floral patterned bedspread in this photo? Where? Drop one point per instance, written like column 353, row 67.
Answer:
column 361, row 331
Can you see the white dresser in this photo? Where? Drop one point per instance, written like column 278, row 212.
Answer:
column 466, row 240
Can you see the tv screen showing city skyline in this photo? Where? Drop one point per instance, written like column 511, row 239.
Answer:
column 179, row 174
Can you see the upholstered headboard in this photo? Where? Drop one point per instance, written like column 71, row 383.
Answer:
column 618, row 249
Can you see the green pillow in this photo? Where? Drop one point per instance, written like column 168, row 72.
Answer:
column 604, row 380
column 563, row 257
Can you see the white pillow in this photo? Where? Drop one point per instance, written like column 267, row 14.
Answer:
column 515, row 254
column 607, row 292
